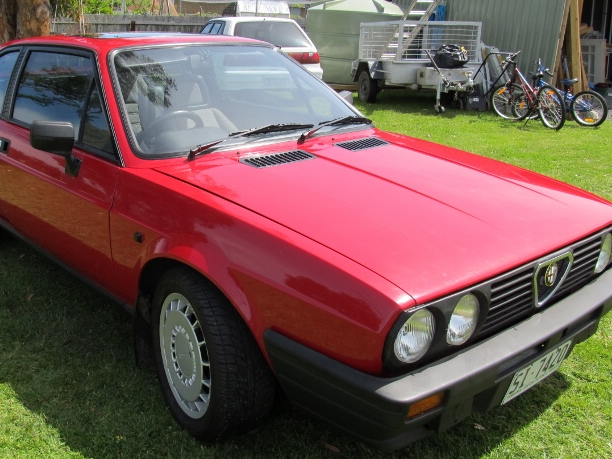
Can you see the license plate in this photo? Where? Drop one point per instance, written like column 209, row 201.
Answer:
column 532, row 374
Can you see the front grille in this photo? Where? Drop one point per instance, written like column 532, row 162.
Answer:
column 585, row 259
column 277, row 159
column 362, row 144
column 512, row 296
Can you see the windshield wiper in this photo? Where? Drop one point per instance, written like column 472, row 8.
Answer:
column 271, row 128
column 345, row 120
column 201, row 149
column 204, row 148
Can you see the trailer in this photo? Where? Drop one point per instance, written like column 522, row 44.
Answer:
column 394, row 54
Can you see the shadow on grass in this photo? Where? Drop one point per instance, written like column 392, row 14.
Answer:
column 421, row 103
column 67, row 354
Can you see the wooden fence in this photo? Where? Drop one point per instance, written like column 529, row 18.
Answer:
column 101, row 23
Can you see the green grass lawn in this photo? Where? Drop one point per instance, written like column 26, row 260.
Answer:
column 69, row 387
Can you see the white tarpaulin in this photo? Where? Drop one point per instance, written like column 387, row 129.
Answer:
column 278, row 8
column 262, row 8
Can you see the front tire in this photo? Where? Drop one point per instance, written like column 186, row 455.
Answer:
column 367, row 87
column 213, row 376
column 589, row 108
column 551, row 107
column 510, row 102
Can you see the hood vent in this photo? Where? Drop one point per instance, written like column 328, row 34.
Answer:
column 277, row 159
column 362, row 144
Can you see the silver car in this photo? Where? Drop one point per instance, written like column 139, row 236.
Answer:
column 284, row 33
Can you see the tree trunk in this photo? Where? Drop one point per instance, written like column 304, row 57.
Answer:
column 24, row 18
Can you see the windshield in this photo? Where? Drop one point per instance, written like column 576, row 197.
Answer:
column 176, row 99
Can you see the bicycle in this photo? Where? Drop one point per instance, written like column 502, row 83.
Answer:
column 516, row 99
column 588, row 108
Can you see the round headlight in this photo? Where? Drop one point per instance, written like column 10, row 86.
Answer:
column 463, row 321
column 604, row 254
column 415, row 336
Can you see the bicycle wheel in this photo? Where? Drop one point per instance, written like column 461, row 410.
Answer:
column 551, row 107
column 510, row 102
column 589, row 108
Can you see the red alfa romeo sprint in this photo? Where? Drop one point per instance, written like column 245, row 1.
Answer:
column 263, row 232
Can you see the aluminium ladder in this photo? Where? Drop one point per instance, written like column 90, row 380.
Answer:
column 418, row 10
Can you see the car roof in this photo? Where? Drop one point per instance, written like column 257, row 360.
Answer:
column 252, row 19
column 108, row 41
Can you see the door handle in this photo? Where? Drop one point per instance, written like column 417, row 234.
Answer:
column 4, row 145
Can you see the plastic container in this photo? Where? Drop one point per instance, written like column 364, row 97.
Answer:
column 602, row 88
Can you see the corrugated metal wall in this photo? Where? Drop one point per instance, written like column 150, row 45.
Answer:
column 532, row 26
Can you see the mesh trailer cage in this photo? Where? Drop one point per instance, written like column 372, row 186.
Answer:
column 406, row 40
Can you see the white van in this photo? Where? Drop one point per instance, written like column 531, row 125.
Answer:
column 272, row 8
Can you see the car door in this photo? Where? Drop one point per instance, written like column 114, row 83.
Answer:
column 66, row 214
column 7, row 64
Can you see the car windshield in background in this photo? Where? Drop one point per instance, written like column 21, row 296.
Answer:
column 176, row 99
column 283, row 34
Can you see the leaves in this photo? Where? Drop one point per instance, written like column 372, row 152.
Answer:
column 72, row 8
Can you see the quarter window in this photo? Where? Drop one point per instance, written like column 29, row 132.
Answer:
column 54, row 86
column 217, row 28
column 95, row 128
column 7, row 62
column 213, row 28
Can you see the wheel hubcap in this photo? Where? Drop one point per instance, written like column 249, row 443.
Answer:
column 184, row 355
column 364, row 86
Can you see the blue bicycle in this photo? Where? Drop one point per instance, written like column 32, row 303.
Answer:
column 588, row 108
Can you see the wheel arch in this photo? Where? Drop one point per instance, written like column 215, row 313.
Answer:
column 363, row 65
column 150, row 275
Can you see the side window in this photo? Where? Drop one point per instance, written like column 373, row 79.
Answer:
column 53, row 87
column 95, row 129
column 7, row 62
column 217, row 28
column 213, row 28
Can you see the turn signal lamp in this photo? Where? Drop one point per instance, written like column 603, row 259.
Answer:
column 429, row 403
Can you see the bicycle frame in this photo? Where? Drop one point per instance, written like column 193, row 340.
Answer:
column 529, row 91
column 568, row 97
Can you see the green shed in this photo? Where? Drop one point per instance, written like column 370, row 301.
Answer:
column 334, row 29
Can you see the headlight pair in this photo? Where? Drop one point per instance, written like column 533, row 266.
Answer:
column 452, row 321
column 418, row 332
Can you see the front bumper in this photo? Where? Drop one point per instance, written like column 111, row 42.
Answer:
column 374, row 409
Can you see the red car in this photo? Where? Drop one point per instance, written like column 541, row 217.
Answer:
column 263, row 232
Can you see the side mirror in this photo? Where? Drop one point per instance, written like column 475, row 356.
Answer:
column 55, row 137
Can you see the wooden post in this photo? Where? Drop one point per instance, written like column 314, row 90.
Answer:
column 583, row 75
column 573, row 48
column 558, row 68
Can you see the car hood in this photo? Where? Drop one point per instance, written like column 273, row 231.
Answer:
column 428, row 218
